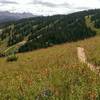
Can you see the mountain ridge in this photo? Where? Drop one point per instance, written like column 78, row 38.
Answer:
column 6, row 16
column 42, row 32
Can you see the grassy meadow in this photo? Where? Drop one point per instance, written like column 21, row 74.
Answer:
column 92, row 49
column 53, row 73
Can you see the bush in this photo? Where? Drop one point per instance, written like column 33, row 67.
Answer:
column 96, row 61
column 12, row 57
column 45, row 95
column 2, row 54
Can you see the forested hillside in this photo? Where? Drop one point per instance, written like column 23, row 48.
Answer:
column 41, row 32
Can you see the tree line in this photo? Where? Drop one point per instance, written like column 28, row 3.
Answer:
column 41, row 32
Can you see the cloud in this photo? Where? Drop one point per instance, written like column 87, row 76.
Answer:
column 49, row 4
column 82, row 8
column 48, row 7
column 7, row 2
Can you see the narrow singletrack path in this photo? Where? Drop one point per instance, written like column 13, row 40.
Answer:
column 83, row 59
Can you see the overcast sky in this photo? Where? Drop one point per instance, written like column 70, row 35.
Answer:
column 48, row 7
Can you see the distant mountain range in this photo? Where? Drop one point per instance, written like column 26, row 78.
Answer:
column 6, row 16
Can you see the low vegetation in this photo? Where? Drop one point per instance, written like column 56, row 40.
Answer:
column 11, row 58
column 51, row 74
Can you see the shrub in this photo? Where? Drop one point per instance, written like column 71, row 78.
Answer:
column 12, row 57
column 45, row 95
column 96, row 61
column 2, row 54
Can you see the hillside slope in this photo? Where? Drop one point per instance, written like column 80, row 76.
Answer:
column 42, row 32
column 52, row 74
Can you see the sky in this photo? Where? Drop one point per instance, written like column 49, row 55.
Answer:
column 48, row 7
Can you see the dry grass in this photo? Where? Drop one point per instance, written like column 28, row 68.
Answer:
column 56, row 69
column 92, row 49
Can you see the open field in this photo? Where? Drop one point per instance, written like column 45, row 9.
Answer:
column 92, row 49
column 52, row 74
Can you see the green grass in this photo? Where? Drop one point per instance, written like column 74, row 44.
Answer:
column 55, row 69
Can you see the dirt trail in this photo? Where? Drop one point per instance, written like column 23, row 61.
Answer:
column 81, row 55
column 83, row 59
